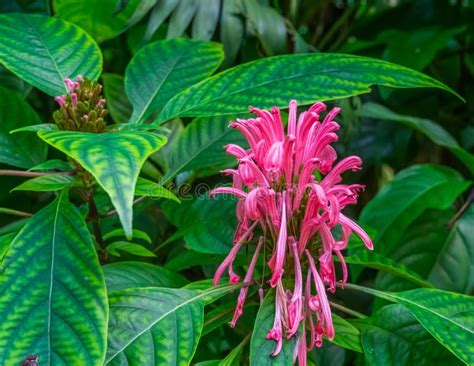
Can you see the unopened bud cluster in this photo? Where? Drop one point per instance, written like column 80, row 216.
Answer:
column 83, row 108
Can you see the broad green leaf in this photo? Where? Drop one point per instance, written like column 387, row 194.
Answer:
column 446, row 315
column 346, row 335
column 54, row 301
column 392, row 336
column 12, row 82
column 231, row 30
column 54, row 164
column 118, row 104
column 274, row 81
column 124, row 275
column 21, row 150
column 124, row 246
column 36, row 128
column 401, row 201
column 44, row 50
column 156, row 325
column 201, row 146
column 162, row 69
column 261, row 348
column 5, row 242
column 191, row 258
column 453, row 268
column 375, row 260
column 148, row 188
column 136, row 234
column 25, row 6
column 103, row 19
column 114, row 159
column 433, row 131
column 46, row 183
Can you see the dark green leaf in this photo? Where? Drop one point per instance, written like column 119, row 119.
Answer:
column 124, row 275
column 114, row 159
column 44, row 50
column 5, row 242
column 346, row 335
column 260, row 348
column 201, row 145
column 446, row 315
column 433, row 131
column 401, row 201
column 136, row 234
column 273, row 81
column 118, row 104
column 162, row 69
column 54, row 302
column 54, row 164
column 21, row 150
column 394, row 337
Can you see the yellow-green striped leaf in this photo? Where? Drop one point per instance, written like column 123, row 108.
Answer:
column 162, row 69
column 44, row 50
column 114, row 159
column 448, row 316
column 54, row 302
column 156, row 326
column 21, row 150
column 273, row 81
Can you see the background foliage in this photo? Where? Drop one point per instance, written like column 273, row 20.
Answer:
column 117, row 273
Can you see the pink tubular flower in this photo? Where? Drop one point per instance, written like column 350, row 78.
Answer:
column 294, row 216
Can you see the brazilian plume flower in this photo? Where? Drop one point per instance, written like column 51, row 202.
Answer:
column 290, row 199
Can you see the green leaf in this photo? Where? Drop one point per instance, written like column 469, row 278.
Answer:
column 261, row 348
column 201, row 146
column 44, row 50
column 148, row 188
column 392, row 336
column 446, row 315
column 401, row 201
column 136, row 234
column 118, row 104
column 54, row 302
column 162, row 69
column 234, row 357
column 346, row 335
column 54, row 164
column 207, row 224
column 131, row 248
column 22, row 150
column 378, row 261
column 114, row 159
column 46, row 183
column 433, row 131
column 181, row 18
column 273, row 81
column 5, row 242
column 36, row 128
column 101, row 19
column 231, row 30
column 453, row 268
column 156, row 325
column 123, row 275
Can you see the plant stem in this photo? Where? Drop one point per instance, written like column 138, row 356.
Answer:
column 21, row 173
column 347, row 310
column 9, row 211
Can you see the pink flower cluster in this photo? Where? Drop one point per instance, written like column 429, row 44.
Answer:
column 290, row 198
